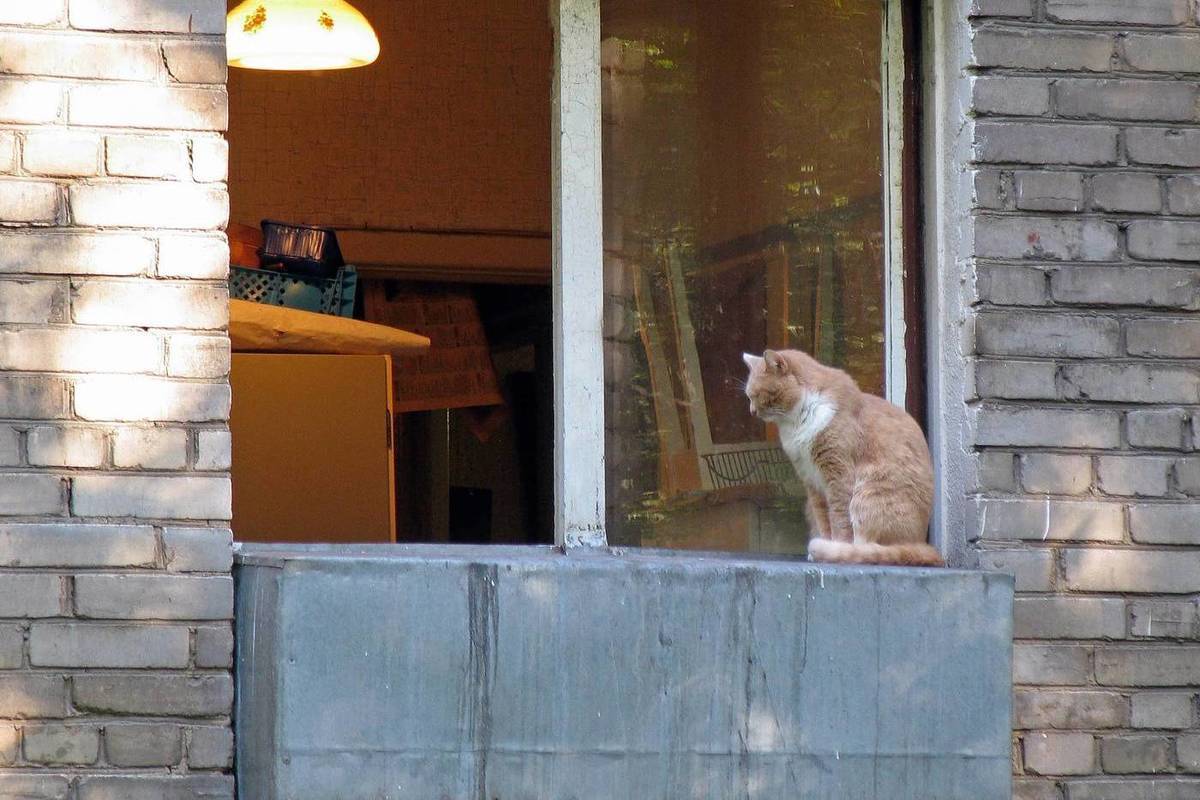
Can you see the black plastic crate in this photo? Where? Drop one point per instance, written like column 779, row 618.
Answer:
column 303, row 249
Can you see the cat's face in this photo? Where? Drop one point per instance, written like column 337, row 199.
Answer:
column 773, row 386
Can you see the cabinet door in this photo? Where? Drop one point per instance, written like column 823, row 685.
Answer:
column 312, row 448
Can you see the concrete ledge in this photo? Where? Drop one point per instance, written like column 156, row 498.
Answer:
column 476, row 673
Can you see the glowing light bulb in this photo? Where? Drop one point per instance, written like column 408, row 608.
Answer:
column 299, row 35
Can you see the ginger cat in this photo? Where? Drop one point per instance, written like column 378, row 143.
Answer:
column 863, row 460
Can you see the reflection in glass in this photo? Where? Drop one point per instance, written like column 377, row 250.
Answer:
column 743, row 210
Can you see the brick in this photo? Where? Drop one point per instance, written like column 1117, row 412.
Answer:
column 1156, row 287
column 1165, row 524
column 61, row 154
column 142, row 745
column 198, row 257
column 1130, row 383
column 150, row 205
column 1059, row 753
column 1187, row 475
column 214, row 647
column 46, row 12
column 1172, row 710
column 1020, row 380
column 210, row 159
column 1032, row 569
column 1001, row 8
column 112, row 646
column 1068, row 709
column 1166, row 338
column 1012, row 333
column 71, row 349
column 26, row 696
column 1171, row 101
column 62, row 745
column 30, row 595
column 76, row 254
column 153, row 695
column 1044, row 473
column 196, row 16
column 1052, row 520
column 214, row 450
column 1159, row 52
column 32, row 397
column 1051, row 664
column 210, row 747
column 1187, row 749
column 1019, row 97
column 1183, row 194
column 66, row 447
column 150, row 448
column 29, row 786
column 198, row 549
column 1006, row 285
column 12, row 646
column 29, row 495
column 144, row 497
column 1165, row 240
column 1068, row 618
column 1039, row 49
column 1132, row 192
column 1030, row 789
column 52, row 54
column 8, row 152
column 997, row 471
column 1042, row 238
column 191, row 356
column 196, row 62
column 1121, row 755
column 104, row 787
column 10, row 447
column 1141, row 476
column 35, row 302
column 1049, row 191
column 1143, row 571
column 990, row 189
column 151, row 304
column 153, row 597
column 1133, row 12
column 147, row 106
column 1164, row 619
column 76, row 545
column 1045, row 143
column 138, row 399
column 30, row 102
column 1172, row 665
column 1135, row 789
column 29, row 201
column 1155, row 428
column 1163, row 146
column 1047, row 427
column 146, row 157
column 10, row 748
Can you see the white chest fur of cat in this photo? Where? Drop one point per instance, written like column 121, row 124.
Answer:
column 798, row 430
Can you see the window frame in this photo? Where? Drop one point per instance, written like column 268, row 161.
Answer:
column 578, row 251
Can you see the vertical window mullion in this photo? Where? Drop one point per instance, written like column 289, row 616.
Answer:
column 578, row 296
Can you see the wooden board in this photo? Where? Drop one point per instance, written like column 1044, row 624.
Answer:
column 257, row 327
column 312, row 448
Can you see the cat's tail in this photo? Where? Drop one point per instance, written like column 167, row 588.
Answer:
column 905, row 555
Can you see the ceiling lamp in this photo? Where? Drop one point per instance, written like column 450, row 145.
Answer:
column 299, row 35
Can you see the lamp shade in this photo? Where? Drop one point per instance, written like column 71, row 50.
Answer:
column 299, row 35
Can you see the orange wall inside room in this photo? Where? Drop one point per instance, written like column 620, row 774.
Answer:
column 447, row 131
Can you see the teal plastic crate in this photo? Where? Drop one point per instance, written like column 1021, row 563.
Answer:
column 323, row 295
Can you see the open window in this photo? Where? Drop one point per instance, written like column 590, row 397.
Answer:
column 592, row 212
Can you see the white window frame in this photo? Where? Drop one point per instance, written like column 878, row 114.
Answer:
column 578, row 259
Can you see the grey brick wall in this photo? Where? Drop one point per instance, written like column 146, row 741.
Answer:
column 1086, row 383
column 115, row 592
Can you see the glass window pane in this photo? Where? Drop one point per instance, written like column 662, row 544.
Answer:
column 743, row 210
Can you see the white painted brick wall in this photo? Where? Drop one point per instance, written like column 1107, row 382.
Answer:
column 1086, row 388
column 114, row 401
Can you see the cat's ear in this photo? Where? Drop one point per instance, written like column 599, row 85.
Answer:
column 775, row 362
column 751, row 361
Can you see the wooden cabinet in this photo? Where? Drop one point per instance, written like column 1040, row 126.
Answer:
column 312, row 448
